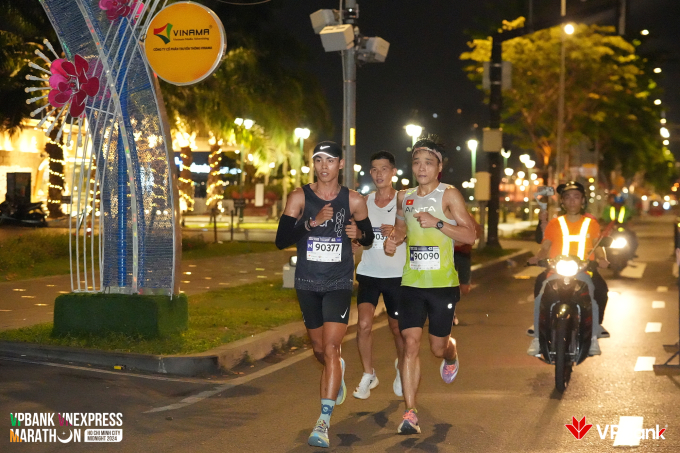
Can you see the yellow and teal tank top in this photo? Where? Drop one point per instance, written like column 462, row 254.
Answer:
column 429, row 252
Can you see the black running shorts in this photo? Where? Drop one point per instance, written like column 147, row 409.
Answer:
column 436, row 304
column 370, row 289
column 326, row 306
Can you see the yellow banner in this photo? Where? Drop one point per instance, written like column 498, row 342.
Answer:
column 185, row 43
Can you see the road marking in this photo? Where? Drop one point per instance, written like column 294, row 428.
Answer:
column 41, row 305
column 658, row 304
column 645, row 364
column 662, row 289
column 5, row 310
column 225, row 284
column 261, row 276
column 634, row 270
column 251, row 377
column 18, row 289
column 628, row 434
column 653, row 327
column 529, row 272
column 259, row 268
column 28, row 297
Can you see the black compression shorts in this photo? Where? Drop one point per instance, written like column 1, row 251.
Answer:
column 326, row 306
column 370, row 289
column 436, row 304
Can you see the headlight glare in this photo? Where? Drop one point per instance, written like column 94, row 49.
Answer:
column 619, row 243
column 566, row 268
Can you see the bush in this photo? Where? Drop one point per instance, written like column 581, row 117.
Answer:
column 193, row 243
column 27, row 250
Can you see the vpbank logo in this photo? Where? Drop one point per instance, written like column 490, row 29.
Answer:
column 578, row 428
column 163, row 32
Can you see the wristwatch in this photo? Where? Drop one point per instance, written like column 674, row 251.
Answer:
column 440, row 225
column 313, row 223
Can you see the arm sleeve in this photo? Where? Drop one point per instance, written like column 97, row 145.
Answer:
column 366, row 228
column 288, row 232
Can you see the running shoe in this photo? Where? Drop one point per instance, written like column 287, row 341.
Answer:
column 449, row 372
column 342, row 393
column 396, row 385
column 409, row 425
column 368, row 382
column 319, row 436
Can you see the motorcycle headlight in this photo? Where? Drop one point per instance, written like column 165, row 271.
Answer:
column 566, row 268
column 619, row 243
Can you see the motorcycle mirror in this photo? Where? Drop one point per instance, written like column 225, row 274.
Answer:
column 606, row 242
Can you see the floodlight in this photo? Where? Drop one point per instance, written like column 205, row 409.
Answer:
column 323, row 18
column 337, row 37
column 373, row 50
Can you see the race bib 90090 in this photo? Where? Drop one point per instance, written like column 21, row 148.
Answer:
column 327, row 250
column 424, row 258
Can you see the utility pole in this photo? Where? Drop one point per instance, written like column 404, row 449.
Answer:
column 495, row 107
column 559, row 155
column 349, row 74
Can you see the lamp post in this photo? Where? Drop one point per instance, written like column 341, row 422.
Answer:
column 413, row 131
column 302, row 134
column 472, row 145
column 506, row 155
column 530, row 164
column 246, row 124
column 566, row 29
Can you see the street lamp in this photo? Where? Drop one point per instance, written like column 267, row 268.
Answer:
column 506, row 155
column 302, row 134
column 247, row 124
column 472, row 145
column 413, row 131
column 339, row 32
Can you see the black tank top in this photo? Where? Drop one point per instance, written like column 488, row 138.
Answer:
column 324, row 257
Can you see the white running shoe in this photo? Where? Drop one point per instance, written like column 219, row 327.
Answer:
column 368, row 382
column 396, row 385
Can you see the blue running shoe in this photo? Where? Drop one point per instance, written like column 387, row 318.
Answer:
column 342, row 393
column 319, row 436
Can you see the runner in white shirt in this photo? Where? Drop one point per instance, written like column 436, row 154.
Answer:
column 379, row 273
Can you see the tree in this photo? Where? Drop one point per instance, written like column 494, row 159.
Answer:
column 608, row 97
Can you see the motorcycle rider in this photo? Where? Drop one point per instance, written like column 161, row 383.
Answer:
column 617, row 211
column 572, row 234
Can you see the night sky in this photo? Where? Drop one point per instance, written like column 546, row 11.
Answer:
column 423, row 75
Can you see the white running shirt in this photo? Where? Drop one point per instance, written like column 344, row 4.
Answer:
column 374, row 262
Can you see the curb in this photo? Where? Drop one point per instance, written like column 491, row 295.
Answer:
column 209, row 362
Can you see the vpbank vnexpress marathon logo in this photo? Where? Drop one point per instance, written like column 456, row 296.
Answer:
column 41, row 427
column 163, row 32
column 629, row 431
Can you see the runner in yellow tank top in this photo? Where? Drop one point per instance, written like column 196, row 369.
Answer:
column 432, row 216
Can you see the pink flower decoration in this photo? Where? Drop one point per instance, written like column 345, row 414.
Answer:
column 120, row 8
column 70, row 83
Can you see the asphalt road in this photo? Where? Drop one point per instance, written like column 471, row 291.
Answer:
column 502, row 400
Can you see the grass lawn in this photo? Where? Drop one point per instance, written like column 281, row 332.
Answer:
column 42, row 254
column 225, row 225
column 215, row 318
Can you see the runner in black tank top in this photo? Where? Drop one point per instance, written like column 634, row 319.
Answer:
column 322, row 219
column 324, row 259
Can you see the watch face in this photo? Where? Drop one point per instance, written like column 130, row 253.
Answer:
column 440, row 225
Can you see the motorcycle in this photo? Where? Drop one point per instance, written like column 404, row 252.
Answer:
column 30, row 214
column 565, row 322
column 622, row 249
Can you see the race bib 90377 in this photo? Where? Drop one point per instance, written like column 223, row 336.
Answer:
column 424, row 258
column 323, row 249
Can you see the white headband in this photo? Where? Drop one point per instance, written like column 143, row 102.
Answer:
column 433, row 151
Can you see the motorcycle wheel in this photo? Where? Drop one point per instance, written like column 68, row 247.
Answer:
column 562, row 365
